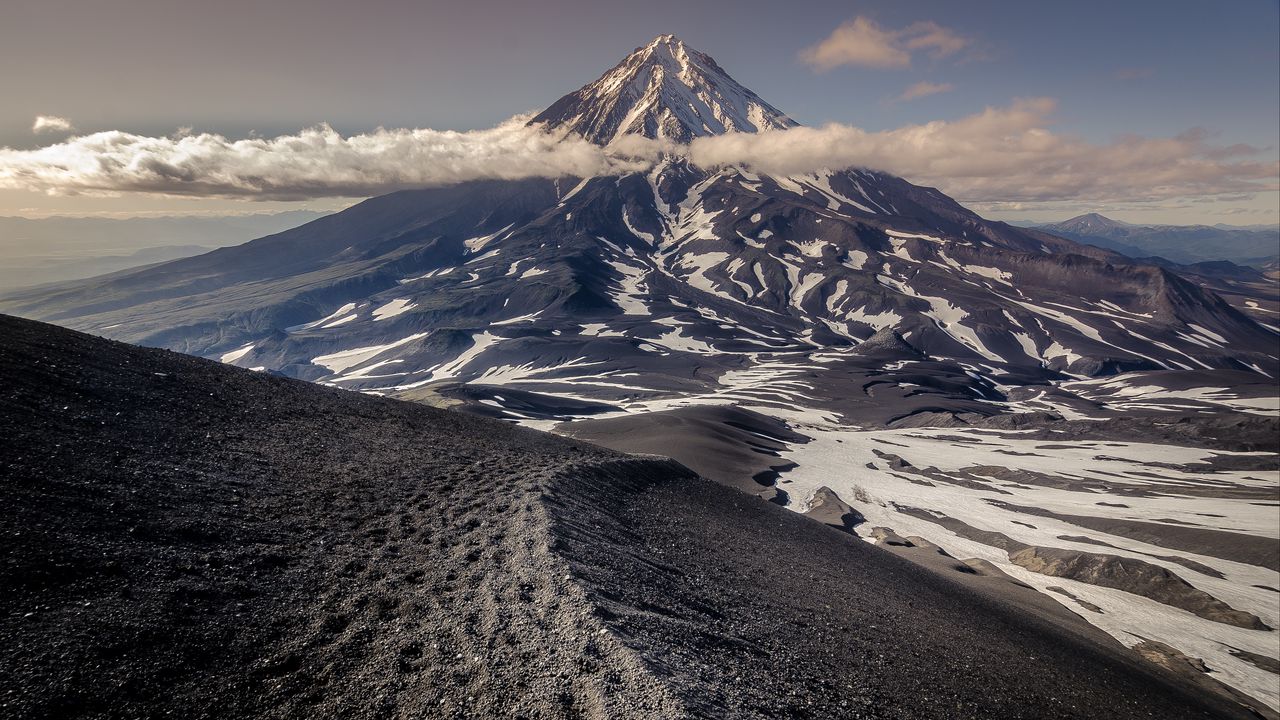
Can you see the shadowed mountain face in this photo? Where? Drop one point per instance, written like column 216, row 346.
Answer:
column 678, row 282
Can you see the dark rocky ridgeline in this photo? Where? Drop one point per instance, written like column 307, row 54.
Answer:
column 827, row 508
column 183, row 538
column 745, row 609
column 734, row 447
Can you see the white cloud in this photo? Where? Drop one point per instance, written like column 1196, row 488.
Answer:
column 51, row 123
column 862, row 41
column 1000, row 155
column 1006, row 155
column 317, row 162
column 925, row 88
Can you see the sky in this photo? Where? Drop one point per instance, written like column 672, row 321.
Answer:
column 1162, row 112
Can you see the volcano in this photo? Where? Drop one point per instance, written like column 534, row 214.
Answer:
column 675, row 282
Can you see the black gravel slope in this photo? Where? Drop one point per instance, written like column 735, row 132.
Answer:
column 189, row 539
column 179, row 538
column 750, row 610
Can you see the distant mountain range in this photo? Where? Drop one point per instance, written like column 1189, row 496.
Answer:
column 1256, row 246
column 37, row 251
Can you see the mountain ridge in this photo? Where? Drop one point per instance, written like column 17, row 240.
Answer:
column 1186, row 244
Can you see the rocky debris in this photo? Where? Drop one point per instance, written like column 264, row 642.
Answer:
column 1187, row 563
column 760, row 612
column 1237, row 547
column 1195, row 670
column 1122, row 573
column 917, row 541
column 1234, row 432
column 889, row 344
column 984, row 568
column 826, row 507
column 186, row 539
column 1135, row 576
column 886, row 536
column 1269, row 664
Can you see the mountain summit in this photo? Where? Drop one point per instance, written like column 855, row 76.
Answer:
column 666, row 90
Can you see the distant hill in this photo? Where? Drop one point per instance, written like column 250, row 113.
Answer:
column 1188, row 244
column 36, row 251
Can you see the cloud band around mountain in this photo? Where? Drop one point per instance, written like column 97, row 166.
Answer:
column 999, row 155
column 316, row 162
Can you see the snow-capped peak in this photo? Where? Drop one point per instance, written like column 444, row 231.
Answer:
column 664, row 89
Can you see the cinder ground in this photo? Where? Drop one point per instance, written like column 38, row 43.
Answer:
column 185, row 539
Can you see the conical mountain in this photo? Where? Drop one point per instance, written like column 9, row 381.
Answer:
column 662, row 90
column 675, row 285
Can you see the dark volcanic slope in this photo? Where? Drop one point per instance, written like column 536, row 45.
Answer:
column 185, row 538
column 791, row 618
column 181, row 537
column 731, row 446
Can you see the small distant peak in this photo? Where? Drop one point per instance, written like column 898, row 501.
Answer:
column 887, row 342
column 1092, row 220
column 1090, row 217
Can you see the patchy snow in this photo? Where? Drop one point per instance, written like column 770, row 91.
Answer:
column 631, row 293
column 917, row 236
column 476, row 244
column 1130, row 392
column 948, row 318
column 675, row 339
column 331, row 317
column 648, row 237
column 341, row 361
column 393, row 308
column 438, row 272
column 235, row 355
column 340, row 321
column 857, row 260
column 521, row 319
column 878, row 491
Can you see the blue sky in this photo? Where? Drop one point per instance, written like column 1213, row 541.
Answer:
column 1152, row 69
